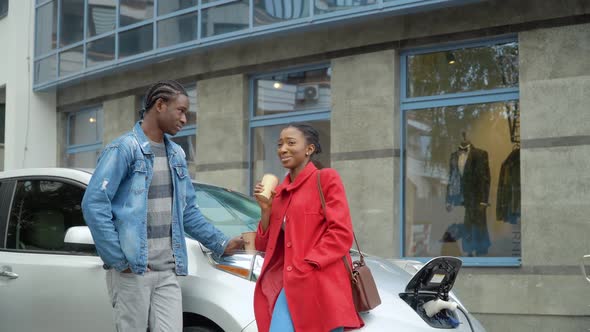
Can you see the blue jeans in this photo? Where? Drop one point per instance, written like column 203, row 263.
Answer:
column 281, row 318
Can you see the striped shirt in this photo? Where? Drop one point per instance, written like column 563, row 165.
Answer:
column 159, row 216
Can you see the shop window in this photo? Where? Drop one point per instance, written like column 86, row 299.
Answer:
column 461, row 156
column 84, row 137
column 297, row 96
column 281, row 93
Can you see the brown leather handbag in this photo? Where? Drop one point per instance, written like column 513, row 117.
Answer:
column 364, row 290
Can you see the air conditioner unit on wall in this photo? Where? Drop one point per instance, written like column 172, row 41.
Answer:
column 308, row 92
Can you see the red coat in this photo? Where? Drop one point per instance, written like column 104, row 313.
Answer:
column 306, row 259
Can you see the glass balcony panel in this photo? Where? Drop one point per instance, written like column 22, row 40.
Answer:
column 102, row 17
column 71, row 61
column 178, row 29
column 328, row 6
column 133, row 11
column 100, row 51
column 169, row 6
column 46, row 28
column 225, row 19
column 72, row 22
column 136, row 41
column 463, row 70
column 45, row 70
column 274, row 11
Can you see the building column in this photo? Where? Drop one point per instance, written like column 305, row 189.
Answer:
column 364, row 150
column 119, row 117
column 222, row 132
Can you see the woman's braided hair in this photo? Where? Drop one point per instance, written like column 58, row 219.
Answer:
column 165, row 90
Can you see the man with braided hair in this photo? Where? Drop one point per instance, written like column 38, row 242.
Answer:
column 138, row 205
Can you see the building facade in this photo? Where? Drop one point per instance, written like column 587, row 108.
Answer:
column 459, row 127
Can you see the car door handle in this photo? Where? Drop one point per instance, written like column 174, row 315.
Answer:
column 8, row 274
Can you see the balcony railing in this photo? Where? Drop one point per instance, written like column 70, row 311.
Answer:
column 80, row 38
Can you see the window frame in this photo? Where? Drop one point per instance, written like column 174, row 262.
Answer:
column 450, row 99
column 257, row 121
column 79, row 148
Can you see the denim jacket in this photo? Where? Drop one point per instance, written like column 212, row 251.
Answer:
column 115, row 205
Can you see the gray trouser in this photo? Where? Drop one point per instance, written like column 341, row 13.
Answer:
column 153, row 298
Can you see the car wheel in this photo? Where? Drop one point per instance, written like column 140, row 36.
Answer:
column 199, row 329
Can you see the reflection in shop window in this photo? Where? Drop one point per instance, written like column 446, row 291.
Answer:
column 463, row 70
column 296, row 91
column 462, row 162
column 84, row 137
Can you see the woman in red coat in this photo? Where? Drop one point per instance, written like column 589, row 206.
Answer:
column 304, row 285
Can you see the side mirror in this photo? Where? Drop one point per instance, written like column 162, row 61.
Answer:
column 78, row 235
column 586, row 267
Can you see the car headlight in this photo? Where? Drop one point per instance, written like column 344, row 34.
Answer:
column 243, row 264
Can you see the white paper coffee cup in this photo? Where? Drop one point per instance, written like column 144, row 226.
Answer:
column 270, row 182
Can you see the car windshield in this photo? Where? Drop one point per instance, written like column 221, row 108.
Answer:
column 231, row 212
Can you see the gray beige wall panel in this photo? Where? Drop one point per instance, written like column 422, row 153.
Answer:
column 119, row 117
column 534, row 323
column 222, row 135
column 370, row 197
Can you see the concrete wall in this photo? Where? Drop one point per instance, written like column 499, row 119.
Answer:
column 222, row 132
column 363, row 138
column 31, row 134
column 119, row 116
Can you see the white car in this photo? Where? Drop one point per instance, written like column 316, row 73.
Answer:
column 52, row 280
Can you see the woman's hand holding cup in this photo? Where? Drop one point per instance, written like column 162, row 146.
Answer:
column 264, row 191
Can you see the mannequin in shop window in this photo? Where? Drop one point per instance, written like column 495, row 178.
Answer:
column 469, row 186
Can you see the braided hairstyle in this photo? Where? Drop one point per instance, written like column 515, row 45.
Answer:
column 311, row 137
column 165, row 90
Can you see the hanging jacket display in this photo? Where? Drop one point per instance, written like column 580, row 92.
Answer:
column 469, row 185
column 508, row 197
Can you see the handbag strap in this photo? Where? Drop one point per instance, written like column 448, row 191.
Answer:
column 321, row 192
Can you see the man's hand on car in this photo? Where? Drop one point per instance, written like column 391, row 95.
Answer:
column 235, row 243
